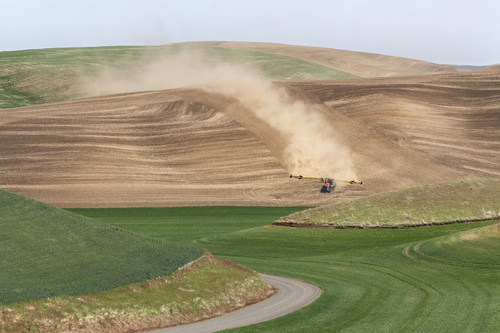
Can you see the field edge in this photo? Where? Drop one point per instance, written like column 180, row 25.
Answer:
column 141, row 307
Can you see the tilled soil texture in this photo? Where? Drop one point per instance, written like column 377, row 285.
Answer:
column 188, row 147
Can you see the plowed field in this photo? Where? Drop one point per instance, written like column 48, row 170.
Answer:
column 193, row 146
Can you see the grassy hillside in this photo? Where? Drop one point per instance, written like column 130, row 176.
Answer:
column 373, row 280
column 442, row 203
column 48, row 251
column 208, row 287
column 475, row 248
column 50, row 75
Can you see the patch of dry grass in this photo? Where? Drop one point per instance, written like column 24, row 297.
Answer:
column 443, row 203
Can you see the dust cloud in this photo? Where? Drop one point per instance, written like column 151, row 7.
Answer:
column 312, row 148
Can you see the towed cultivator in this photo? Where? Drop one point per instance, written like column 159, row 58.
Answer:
column 329, row 184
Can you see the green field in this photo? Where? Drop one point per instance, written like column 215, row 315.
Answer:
column 32, row 77
column 442, row 203
column 187, row 223
column 48, row 251
column 374, row 280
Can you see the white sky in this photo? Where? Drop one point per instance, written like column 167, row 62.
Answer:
column 460, row 32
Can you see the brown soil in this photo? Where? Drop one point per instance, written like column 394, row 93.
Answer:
column 187, row 147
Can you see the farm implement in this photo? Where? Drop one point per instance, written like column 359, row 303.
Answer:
column 329, row 184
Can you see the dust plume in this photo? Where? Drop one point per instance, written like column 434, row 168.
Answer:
column 312, row 148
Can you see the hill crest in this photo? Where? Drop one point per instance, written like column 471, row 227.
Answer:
column 362, row 64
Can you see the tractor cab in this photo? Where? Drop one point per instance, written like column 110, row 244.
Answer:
column 328, row 186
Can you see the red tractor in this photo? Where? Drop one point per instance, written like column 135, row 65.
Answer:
column 328, row 186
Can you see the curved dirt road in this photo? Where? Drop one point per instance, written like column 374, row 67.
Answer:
column 292, row 295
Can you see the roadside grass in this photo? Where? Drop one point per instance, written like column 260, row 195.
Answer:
column 32, row 77
column 48, row 251
column 443, row 203
column 372, row 279
column 207, row 287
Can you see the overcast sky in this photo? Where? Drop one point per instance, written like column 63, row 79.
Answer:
column 460, row 32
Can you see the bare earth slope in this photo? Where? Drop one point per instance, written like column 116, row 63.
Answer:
column 142, row 149
column 190, row 147
column 449, row 120
column 183, row 147
column 357, row 63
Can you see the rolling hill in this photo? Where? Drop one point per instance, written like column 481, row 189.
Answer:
column 51, row 75
column 47, row 251
column 424, row 205
column 361, row 64
column 227, row 128
column 229, row 136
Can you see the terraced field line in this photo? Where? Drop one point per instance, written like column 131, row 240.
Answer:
column 291, row 296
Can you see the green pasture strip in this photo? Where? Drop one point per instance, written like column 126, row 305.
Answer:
column 48, row 251
column 184, row 224
column 273, row 66
column 469, row 67
column 32, row 77
column 372, row 279
column 450, row 202
column 207, row 287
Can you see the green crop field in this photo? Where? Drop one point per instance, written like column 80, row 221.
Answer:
column 187, row 223
column 32, row 77
column 48, row 251
column 430, row 279
column 443, row 203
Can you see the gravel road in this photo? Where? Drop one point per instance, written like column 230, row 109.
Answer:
column 292, row 295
